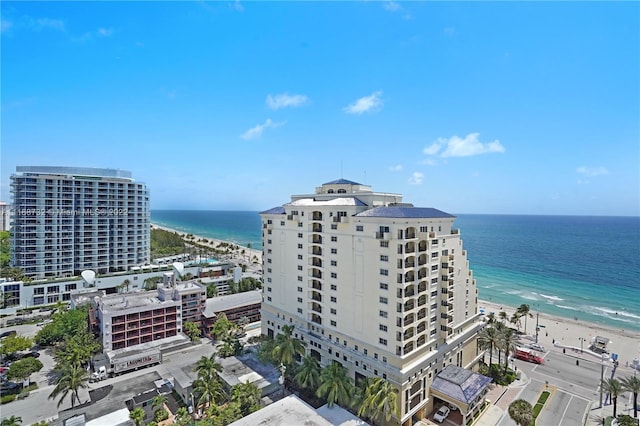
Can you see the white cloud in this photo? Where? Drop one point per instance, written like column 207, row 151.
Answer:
column 468, row 146
column 5, row 25
column 105, row 32
column 284, row 100
column 42, row 23
column 256, row 132
column 592, row 172
column 396, row 168
column 369, row 103
column 392, row 6
column 416, row 178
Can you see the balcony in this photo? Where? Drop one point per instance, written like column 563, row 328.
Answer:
column 315, row 239
column 316, row 285
column 410, row 247
column 316, row 227
column 409, row 319
column 408, row 334
column 422, row 300
column 408, row 348
column 316, row 273
column 315, row 250
column 422, row 313
column 316, row 296
column 383, row 235
column 316, row 216
column 408, row 306
column 316, row 319
column 316, row 262
column 316, row 307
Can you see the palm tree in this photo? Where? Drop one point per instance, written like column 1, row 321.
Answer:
column 125, row 285
column 614, row 388
column 515, row 320
column 521, row 412
column 207, row 367
column 158, row 401
column 380, row 400
column 182, row 417
column 491, row 318
column 247, row 395
column 503, row 316
column 488, row 339
column 508, row 343
column 308, row 375
column 335, row 385
column 523, row 311
column 632, row 384
column 137, row 416
column 208, row 390
column 287, row 347
column 69, row 381
column 11, row 421
column 500, row 330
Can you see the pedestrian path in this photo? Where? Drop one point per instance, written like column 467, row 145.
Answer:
column 501, row 397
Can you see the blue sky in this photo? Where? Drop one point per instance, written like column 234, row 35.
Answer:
column 502, row 107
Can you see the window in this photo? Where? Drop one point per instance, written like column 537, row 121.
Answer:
column 333, row 299
column 334, row 263
column 269, row 289
column 334, row 251
column 384, row 300
column 384, row 314
column 384, row 258
column 424, row 229
column 334, row 226
column 334, row 275
column 334, row 287
column 365, row 351
column 384, row 286
column 299, row 289
column 268, row 279
column 299, row 257
column 355, row 347
column 299, row 267
column 333, row 323
column 376, row 355
column 334, row 238
column 38, row 290
column 268, row 241
column 299, row 224
column 282, row 223
column 382, row 341
column 70, row 287
column 333, row 311
column 384, row 272
column 299, row 246
column 53, row 289
column 299, row 278
column 299, row 234
column 384, row 359
column 359, row 228
column 383, row 327
column 299, row 310
column 299, row 299
column 269, row 270
column 384, row 243
column 269, row 260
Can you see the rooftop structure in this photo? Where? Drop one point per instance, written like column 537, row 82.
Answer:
column 374, row 283
column 68, row 219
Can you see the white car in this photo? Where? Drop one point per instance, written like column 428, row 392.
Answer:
column 537, row 347
column 442, row 414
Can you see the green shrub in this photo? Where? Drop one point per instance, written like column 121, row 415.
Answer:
column 5, row 399
column 543, row 397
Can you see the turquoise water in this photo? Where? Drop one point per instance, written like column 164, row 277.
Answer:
column 569, row 266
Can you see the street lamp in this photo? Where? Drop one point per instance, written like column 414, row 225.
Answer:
column 282, row 369
column 537, row 325
column 582, row 340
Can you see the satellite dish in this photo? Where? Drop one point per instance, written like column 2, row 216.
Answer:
column 88, row 276
column 178, row 267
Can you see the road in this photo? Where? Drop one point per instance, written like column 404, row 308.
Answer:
column 37, row 406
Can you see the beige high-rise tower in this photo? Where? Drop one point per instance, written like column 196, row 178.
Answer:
column 378, row 285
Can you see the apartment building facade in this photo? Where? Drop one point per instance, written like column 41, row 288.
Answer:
column 69, row 219
column 376, row 284
column 126, row 321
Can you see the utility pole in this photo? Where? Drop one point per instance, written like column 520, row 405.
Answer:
column 601, row 377
column 537, row 327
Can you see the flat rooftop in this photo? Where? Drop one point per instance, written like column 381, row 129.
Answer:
column 75, row 171
column 123, row 301
column 231, row 301
column 285, row 412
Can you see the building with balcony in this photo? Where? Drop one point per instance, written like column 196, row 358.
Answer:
column 192, row 297
column 378, row 285
column 5, row 216
column 128, row 320
column 68, row 219
column 235, row 307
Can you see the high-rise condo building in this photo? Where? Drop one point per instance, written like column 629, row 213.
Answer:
column 5, row 217
column 378, row 285
column 68, row 219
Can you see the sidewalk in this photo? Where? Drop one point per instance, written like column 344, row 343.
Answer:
column 503, row 397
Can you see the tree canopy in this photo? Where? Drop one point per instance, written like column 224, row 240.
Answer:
column 15, row 343
column 22, row 369
column 165, row 243
column 69, row 323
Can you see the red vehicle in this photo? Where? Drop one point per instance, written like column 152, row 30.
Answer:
column 528, row 355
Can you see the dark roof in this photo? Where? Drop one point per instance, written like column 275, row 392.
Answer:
column 275, row 210
column 342, row 182
column 359, row 202
column 408, row 212
column 460, row 384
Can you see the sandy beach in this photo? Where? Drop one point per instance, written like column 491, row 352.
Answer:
column 251, row 257
column 557, row 333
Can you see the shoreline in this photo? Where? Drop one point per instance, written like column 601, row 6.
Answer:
column 236, row 254
column 570, row 334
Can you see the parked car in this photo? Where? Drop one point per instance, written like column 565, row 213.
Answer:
column 441, row 414
column 30, row 355
column 7, row 334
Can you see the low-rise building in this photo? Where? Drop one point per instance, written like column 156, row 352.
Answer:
column 234, row 306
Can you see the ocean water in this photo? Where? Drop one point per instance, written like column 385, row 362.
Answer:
column 570, row 266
